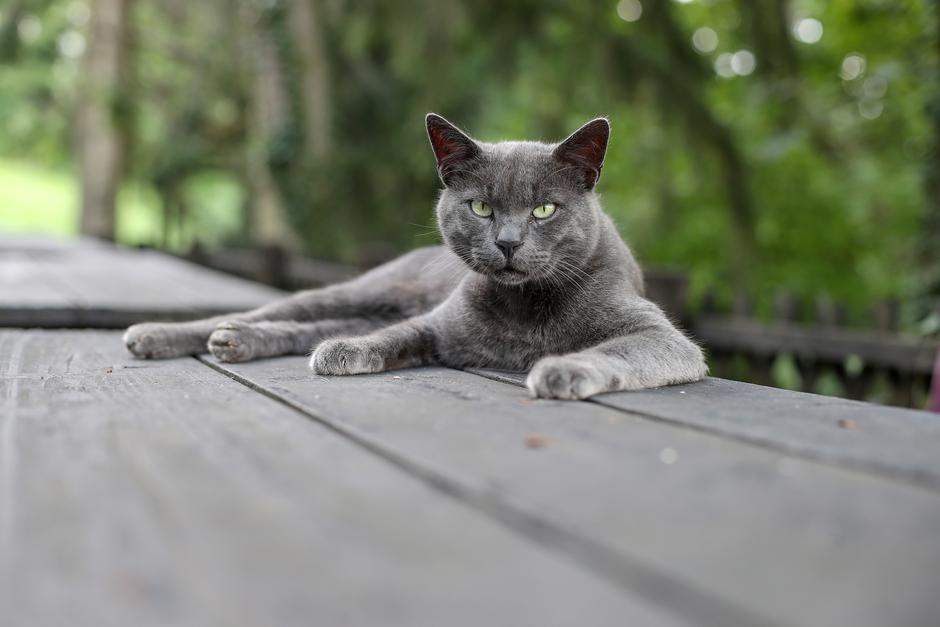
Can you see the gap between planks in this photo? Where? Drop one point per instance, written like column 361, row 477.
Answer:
column 921, row 479
column 664, row 590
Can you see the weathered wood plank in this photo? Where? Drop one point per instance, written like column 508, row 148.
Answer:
column 91, row 284
column 901, row 443
column 891, row 441
column 788, row 540
column 164, row 493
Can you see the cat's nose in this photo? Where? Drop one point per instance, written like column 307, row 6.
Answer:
column 508, row 240
column 508, row 248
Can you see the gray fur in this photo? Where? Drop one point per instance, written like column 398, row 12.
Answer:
column 567, row 304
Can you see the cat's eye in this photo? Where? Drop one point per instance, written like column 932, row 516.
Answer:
column 481, row 208
column 543, row 211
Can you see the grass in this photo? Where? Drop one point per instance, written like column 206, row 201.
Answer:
column 39, row 199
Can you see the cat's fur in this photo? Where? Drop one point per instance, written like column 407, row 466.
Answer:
column 561, row 296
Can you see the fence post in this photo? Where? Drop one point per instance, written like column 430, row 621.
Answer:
column 935, row 386
column 273, row 270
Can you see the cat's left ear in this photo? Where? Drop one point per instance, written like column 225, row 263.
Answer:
column 585, row 149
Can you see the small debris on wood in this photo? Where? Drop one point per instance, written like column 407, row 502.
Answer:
column 847, row 423
column 534, row 440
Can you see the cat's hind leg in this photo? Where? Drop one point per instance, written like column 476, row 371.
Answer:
column 236, row 340
column 162, row 340
column 393, row 291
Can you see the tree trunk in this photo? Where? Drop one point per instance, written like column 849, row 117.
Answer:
column 269, row 113
column 313, row 75
column 9, row 39
column 930, row 238
column 103, row 115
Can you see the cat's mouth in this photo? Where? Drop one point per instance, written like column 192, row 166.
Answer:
column 509, row 274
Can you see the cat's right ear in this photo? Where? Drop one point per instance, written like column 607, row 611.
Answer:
column 452, row 147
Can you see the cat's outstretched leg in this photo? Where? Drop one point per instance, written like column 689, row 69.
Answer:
column 162, row 340
column 236, row 341
column 652, row 353
column 394, row 291
column 155, row 340
column 403, row 345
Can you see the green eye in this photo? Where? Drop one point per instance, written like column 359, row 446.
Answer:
column 481, row 208
column 543, row 211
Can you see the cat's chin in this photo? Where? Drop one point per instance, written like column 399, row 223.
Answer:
column 510, row 276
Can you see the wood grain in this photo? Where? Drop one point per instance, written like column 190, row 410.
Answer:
column 48, row 283
column 164, row 493
column 786, row 540
column 903, row 444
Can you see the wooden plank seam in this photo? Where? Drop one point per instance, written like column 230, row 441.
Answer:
column 666, row 591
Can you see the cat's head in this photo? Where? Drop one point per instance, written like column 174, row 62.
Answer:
column 520, row 211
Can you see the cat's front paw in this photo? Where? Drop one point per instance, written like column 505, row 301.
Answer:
column 565, row 378
column 346, row 356
column 150, row 341
column 234, row 341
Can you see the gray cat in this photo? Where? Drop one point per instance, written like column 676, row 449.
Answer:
column 533, row 276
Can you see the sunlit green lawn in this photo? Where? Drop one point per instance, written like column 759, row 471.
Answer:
column 38, row 199
column 35, row 199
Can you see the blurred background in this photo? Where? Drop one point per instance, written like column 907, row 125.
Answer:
column 774, row 163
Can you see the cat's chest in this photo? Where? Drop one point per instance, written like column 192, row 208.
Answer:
column 493, row 337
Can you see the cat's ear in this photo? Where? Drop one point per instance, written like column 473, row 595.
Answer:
column 452, row 147
column 585, row 149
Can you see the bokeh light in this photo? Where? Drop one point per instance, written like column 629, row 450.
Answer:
column 743, row 62
column 723, row 65
column 870, row 109
column 704, row 40
column 29, row 28
column 71, row 44
column 629, row 10
column 808, row 30
column 853, row 66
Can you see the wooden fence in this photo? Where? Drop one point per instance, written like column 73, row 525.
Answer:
column 816, row 353
column 875, row 363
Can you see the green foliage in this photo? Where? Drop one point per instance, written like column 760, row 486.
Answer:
column 802, row 175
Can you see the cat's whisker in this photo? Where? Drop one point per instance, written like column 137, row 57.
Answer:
column 574, row 267
column 450, row 267
column 580, row 278
column 569, row 273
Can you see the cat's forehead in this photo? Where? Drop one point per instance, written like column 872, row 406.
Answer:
column 519, row 152
column 516, row 162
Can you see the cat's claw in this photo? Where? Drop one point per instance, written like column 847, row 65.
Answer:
column 564, row 378
column 345, row 356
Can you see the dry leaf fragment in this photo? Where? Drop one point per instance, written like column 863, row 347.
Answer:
column 535, row 441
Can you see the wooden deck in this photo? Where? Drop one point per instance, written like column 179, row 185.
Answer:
column 193, row 493
column 88, row 284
